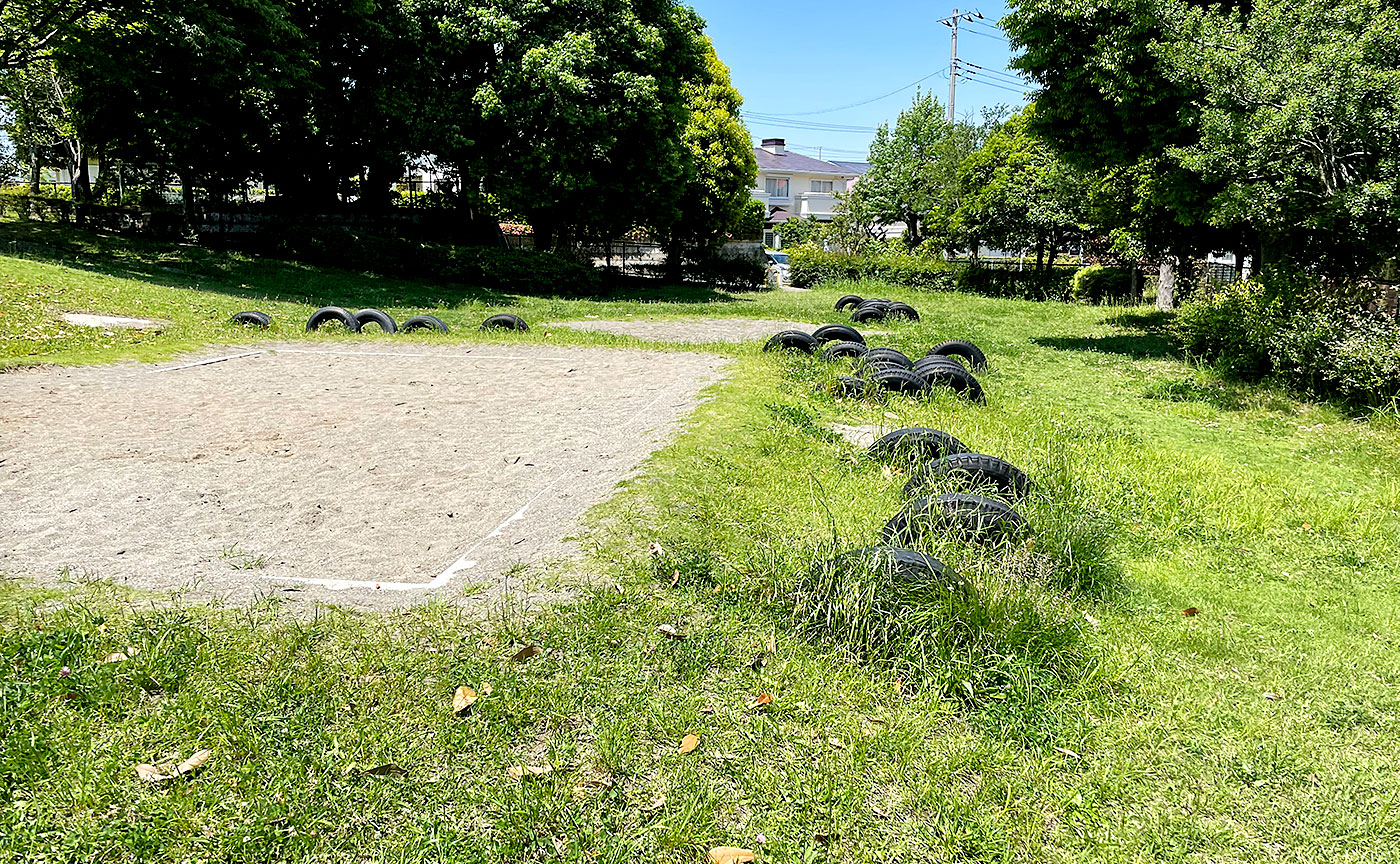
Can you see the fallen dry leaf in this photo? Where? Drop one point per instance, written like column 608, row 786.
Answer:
column 463, row 698
column 116, row 657
column 525, row 653
column 1070, row 753
column 389, row 769
column 1272, row 697
column 675, row 578
column 656, row 803
column 730, row 855
column 707, row 709
column 772, row 643
column 194, row 763
column 584, row 787
column 522, row 772
column 836, row 742
column 689, row 743
column 1307, row 527
column 763, row 701
column 670, row 632
column 1191, row 612
column 153, row 774
column 486, row 690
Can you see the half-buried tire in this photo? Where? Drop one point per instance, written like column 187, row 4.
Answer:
column 847, row 301
column 900, row 381
column 847, row 385
column 977, row 361
column 252, row 318
column 972, row 472
column 972, row 517
column 866, row 314
column 902, row 310
column 376, row 316
column 954, row 377
column 423, row 322
column 893, row 355
column 505, row 321
column 332, row 313
column 904, row 566
column 837, row 350
column 915, row 444
column 837, row 333
column 791, row 340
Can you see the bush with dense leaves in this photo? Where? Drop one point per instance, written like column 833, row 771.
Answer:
column 1049, row 284
column 1325, row 346
column 484, row 266
column 812, row 266
column 1099, row 284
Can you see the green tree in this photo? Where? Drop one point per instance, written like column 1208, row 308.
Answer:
column 718, row 171
column 913, row 176
column 1019, row 194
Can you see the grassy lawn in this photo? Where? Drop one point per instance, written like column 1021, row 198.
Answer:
column 1063, row 709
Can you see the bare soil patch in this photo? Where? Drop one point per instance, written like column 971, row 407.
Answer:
column 694, row 331
column 381, row 476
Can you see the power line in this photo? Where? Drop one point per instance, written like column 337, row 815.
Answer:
column 810, row 125
column 866, row 101
column 995, row 73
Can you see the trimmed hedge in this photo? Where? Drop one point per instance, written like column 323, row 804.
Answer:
column 43, row 208
column 1098, row 284
column 811, row 266
column 487, row 267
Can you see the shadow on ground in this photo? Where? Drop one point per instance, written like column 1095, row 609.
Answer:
column 203, row 269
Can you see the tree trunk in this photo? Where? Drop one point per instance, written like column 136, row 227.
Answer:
column 1135, row 283
column 1039, row 252
column 35, row 171
column 1166, row 284
column 187, row 196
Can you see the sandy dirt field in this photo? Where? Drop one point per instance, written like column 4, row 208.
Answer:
column 693, row 330
column 361, row 475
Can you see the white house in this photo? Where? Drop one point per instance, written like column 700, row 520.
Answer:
column 794, row 186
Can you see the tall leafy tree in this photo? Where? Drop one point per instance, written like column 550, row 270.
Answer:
column 718, row 171
column 913, row 176
column 1019, row 194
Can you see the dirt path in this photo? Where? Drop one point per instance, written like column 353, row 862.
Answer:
column 360, row 475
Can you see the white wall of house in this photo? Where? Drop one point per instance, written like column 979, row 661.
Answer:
column 802, row 191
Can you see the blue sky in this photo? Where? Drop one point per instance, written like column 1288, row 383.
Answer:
column 796, row 57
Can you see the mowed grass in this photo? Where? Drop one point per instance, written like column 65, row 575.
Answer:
column 1063, row 709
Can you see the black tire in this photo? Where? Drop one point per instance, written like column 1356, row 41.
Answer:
column 874, row 303
column 252, row 318
column 900, row 381
column 903, row 310
column 848, row 300
column 937, row 361
column 971, row 472
column 383, row 319
column 505, row 321
column 423, row 322
column 867, row 314
column 837, row 350
column 906, row 566
column 973, row 517
column 871, row 368
column 893, row 355
column 915, row 444
column 955, row 377
column 848, row 386
column 332, row 313
column 791, row 340
column 977, row 361
column 837, row 333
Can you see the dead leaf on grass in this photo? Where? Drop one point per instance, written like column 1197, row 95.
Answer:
column 388, row 769
column 592, row 784
column 463, row 698
column 116, row 657
column 1070, row 753
column 525, row 653
column 707, row 709
column 689, row 743
column 1272, row 697
column 763, row 701
column 526, row 772
column 656, row 803
column 670, row 632
column 675, row 578
column 730, row 855
column 153, row 774
column 1191, row 612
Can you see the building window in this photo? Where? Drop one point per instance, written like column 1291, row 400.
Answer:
column 821, row 185
column 776, row 187
column 769, row 239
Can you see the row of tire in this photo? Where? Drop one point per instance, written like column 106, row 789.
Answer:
column 355, row 321
column 889, row 368
column 864, row 311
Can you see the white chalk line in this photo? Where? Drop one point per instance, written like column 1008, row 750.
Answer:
column 464, row 561
column 205, row 362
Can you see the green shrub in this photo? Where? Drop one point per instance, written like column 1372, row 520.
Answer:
column 1099, row 284
column 1231, row 327
column 1050, row 284
column 811, row 266
column 491, row 267
column 44, row 208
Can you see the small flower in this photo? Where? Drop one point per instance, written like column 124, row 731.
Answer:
column 761, row 839
column 65, row 672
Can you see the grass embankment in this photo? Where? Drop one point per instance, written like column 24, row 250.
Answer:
column 1074, row 714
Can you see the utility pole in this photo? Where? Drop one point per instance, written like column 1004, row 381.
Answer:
column 951, row 22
